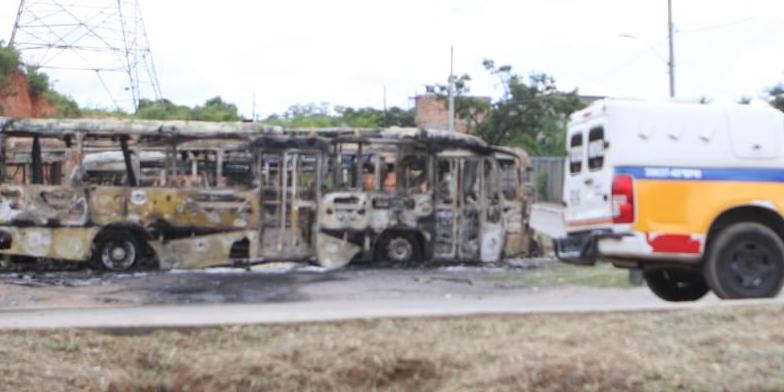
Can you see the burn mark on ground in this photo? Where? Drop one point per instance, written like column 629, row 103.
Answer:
column 178, row 287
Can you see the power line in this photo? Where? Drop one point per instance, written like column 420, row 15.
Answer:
column 715, row 26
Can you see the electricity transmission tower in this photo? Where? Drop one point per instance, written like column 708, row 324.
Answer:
column 104, row 37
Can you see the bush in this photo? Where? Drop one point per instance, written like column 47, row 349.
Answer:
column 65, row 105
column 37, row 80
column 9, row 62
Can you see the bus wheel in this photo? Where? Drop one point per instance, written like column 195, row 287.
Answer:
column 400, row 248
column 746, row 260
column 116, row 251
column 675, row 285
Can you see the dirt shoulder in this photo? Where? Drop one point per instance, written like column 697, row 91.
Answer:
column 711, row 348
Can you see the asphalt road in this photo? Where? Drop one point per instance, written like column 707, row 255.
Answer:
column 295, row 293
column 198, row 298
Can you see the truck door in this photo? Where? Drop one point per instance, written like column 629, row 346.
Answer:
column 588, row 181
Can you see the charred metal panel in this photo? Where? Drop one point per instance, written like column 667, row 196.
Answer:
column 344, row 211
column 199, row 252
column 218, row 209
column 65, row 243
column 334, row 252
column 107, row 204
column 42, row 205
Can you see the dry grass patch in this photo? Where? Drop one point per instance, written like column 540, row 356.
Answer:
column 722, row 348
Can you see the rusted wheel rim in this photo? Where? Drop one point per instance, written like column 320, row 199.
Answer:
column 118, row 255
column 400, row 249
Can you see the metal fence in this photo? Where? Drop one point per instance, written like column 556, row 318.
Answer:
column 547, row 177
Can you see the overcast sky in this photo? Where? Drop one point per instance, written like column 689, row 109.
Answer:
column 346, row 51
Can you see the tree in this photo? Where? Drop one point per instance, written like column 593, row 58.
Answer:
column 776, row 96
column 399, row 117
column 321, row 115
column 472, row 110
column 215, row 109
column 162, row 109
column 37, row 80
column 531, row 114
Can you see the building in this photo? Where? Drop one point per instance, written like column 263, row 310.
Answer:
column 432, row 112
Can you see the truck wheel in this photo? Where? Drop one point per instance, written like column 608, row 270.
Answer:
column 746, row 260
column 675, row 285
column 116, row 251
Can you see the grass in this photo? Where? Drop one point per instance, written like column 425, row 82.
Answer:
column 720, row 348
column 555, row 274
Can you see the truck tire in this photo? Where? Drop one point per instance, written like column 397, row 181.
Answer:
column 676, row 284
column 746, row 260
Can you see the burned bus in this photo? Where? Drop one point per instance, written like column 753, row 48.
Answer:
column 125, row 195
column 411, row 195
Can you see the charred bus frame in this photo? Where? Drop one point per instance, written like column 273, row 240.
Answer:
column 134, row 194
column 446, row 201
column 120, row 226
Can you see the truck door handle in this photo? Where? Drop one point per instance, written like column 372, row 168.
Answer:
column 589, row 181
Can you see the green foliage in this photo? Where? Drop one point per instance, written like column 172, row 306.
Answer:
column 37, row 80
column 66, row 106
column 104, row 113
column 776, row 96
column 472, row 110
column 215, row 109
column 321, row 115
column 532, row 114
column 162, row 109
column 398, row 117
column 9, row 62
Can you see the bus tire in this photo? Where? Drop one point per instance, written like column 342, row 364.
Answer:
column 399, row 247
column 676, row 284
column 746, row 260
column 116, row 251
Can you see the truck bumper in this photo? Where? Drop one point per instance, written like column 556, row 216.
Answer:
column 581, row 248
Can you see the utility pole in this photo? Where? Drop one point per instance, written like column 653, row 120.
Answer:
column 385, row 123
column 253, row 115
column 671, row 63
column 452, row 89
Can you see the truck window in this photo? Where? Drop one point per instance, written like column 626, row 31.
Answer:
column 596, row 148
column 576, row 153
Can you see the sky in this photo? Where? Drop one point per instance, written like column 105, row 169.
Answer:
column 348, row 52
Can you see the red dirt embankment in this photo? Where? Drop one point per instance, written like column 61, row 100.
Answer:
column 16, row 100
